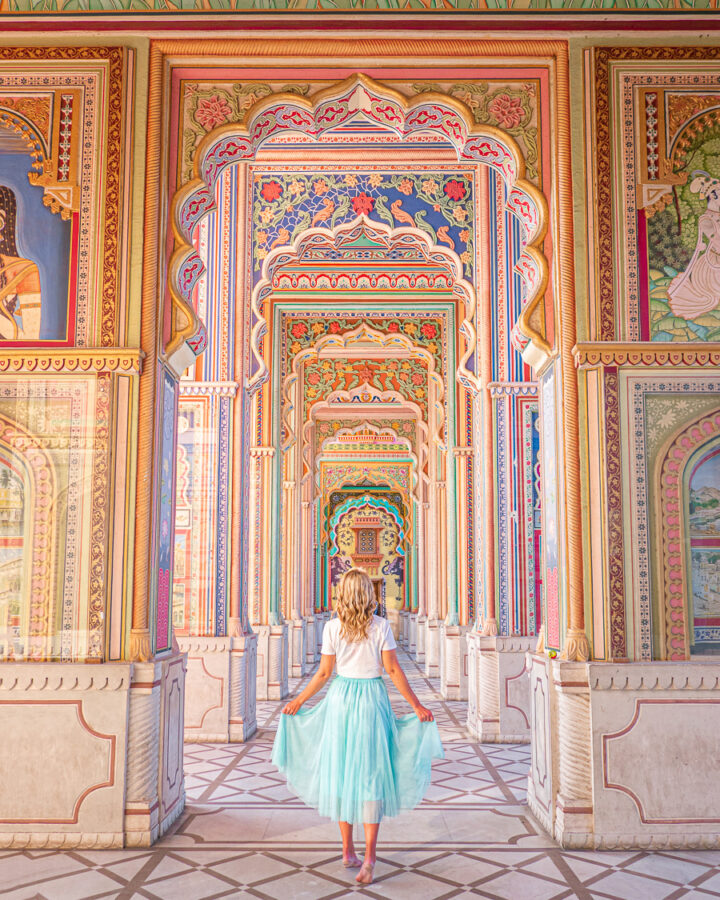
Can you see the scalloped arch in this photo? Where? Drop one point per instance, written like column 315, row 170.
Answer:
column 357, row 97
column 359, row 503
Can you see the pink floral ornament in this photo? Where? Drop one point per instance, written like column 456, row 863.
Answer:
column 507, row 110
column 362, row 204
column 212, row 111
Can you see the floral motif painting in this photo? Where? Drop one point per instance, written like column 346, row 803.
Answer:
column 438, row 203
column 705, row 550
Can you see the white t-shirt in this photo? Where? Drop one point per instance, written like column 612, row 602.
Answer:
column 360, row 659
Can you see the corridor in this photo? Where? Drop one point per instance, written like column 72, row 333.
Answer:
column 243, row 835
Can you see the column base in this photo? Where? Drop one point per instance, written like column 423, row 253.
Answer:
column 272, row 661
column 297, row 638
column 432, row 647
column 320, row 620
column 312, row 651
column 453, row 661
column 101, row 751
column 641, row 764
column 498, row 688
column 420, row 622
column 412, row 633
column 220, row 688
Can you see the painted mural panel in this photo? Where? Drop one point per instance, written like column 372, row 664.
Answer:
column 200, row 559
column 663, row 190
column 60, row 196
column 704, row 522
column 54, row 492
column 551, row 511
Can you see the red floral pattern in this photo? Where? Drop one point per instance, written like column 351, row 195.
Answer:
column 299, row 330
column 271, row 190
column 334, row 328
column 362, row 204
column 212, row 111
column 429, row 330
column 507, row 110
column 455, row 190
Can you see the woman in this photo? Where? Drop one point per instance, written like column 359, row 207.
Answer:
column 19, row 279
column 349, row 756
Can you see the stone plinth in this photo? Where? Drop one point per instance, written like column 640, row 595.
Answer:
column 625, row 755
column 297, row 639
column 272, row 661
column 312, row 649
column 412, row 634
column 453, row 661
column 498, row 688
column 220, row 688
column 432, row 647
column 92, row 754
column 420, row 622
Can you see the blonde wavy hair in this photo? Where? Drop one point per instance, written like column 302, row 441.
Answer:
column 355, row 604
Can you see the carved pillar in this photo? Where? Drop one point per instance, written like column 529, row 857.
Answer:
column 272, row 633
column 435, row 562
column 423, row 581
column 574, row 801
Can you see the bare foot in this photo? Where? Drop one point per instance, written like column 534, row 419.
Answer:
column 365, row 875
column 351, row 861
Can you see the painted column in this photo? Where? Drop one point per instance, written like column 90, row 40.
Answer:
column 271, row 630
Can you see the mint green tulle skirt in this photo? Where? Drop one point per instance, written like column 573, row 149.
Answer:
column 351, row 758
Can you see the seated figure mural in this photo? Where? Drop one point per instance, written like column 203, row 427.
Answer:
column 19, row 279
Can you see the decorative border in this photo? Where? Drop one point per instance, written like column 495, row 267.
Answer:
column 78, row 361
column 616, row 544
column 646, row 354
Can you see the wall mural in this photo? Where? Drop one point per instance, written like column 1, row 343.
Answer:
column 13, row 558
column 34, row 259
column 704, row 534
column 60, row 197
column 409, row 377
column 663, row 263
column 438, row 203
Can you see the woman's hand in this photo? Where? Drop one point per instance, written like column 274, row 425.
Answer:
column 423, row 713
column 292, row 707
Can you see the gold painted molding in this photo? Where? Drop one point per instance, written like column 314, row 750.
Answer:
column 647, row 353
column 33, row 361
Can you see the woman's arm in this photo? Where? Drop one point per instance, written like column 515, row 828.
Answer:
column 317, row 682
column 394, row 670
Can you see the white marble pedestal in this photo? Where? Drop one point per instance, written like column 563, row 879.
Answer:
column 624, row 755
column 453, row 661
column 92, row 755
column 498, row 688
column 272, row 661
column 297, row 639
column 412, row 634
column 432, row 647
column 220, row 688
column 420, row 631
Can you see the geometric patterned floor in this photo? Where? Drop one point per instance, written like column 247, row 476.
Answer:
column 244, row 835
